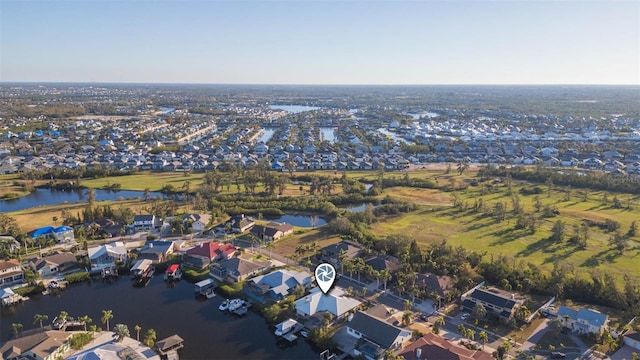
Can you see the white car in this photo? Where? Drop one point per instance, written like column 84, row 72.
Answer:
column 465, row 316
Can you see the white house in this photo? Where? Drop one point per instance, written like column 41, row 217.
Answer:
column 334, row 302
column 144, row 221
column 107, row 254
column 10, row 272
column 583, row 320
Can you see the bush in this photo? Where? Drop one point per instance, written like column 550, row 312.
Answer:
column 77, row 277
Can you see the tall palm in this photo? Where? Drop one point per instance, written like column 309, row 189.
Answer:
column 16, row 328
column 483, row 338
column 106, row 316
column 269, row 245
column 342, row 256
column 40, row 318
column 150, row 338
column 137, row 328
column 63, row 315
column 385, row 275
column 121, row 331
column 86, row 320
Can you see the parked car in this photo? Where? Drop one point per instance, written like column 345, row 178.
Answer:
column 558, row 355
column 465, row 316
column 424, row 317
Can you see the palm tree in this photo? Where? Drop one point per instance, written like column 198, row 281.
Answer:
column 16, row 328
column 137, row 328
column 150, row 338
column 483, row 338
column 437, row 324
column 385, row 275
column 63, row 315
column 86, row 320
column 40, row 318
column 406, row 317
column 120, row 332
column 479, row 311
column 300, row 250
column 106, row 316
column 269, row 246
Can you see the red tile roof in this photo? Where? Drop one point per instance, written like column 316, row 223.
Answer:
column 206, row 249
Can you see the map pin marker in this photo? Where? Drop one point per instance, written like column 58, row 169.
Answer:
column 325, row 276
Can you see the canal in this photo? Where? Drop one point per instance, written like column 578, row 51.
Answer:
column 208, row 332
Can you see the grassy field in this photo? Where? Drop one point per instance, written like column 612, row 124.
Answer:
column 304, row 236
column 437, row 220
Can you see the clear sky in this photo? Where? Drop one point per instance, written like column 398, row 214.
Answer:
column 321, row 42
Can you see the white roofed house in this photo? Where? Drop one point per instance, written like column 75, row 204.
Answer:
column 107, row 254
column 334, row 302
column 278, row 284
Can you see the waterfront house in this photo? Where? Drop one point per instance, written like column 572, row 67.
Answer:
column 202, row 254
column 10, row 272
column 144, row 222
column 51, row 344
column 53, row 264
column 376, row 335
column 278, row 284
column 582, row 321
column 108, row 254
column 157, row 251
column 237, row 269
column 272, row 231
column 105, row 346
column 501, row 303
column 432, row 346
column 8, row 297
column 334, row 302
column 241, row 223
column 61, row 234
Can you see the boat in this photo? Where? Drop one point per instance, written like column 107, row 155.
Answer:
column 235, row 304
column 304, row 333
column 54, row 285
column 224, row 306
column 210, row 294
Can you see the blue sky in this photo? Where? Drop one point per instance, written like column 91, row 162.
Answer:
column 322, row 42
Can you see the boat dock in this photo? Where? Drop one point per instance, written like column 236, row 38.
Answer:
column 168, row 348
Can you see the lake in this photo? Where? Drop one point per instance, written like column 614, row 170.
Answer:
column 294, row 108
column 54, row 197
column 428, row 115
column 208, row 332
column 394, row 136
column 298, row 220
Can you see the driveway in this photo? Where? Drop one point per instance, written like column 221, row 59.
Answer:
column 536, row 336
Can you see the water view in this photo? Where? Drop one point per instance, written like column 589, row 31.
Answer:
column 266, row 135
column 208, row 332
column 42, row 197
column 394, row 136
column 300, row 220
column 328, row 134
column 428, row 115
column 294, row 108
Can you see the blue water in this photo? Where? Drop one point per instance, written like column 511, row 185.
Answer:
column 42, row 197
column 394, row 136
column 266, row 135
column 298, row 220
column 328, row 134
column 294, row 108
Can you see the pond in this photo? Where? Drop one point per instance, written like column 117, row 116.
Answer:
column 267, row 133
column 299, row 220
column 207, row 332
column 394, row 136
column 42, row 197
column 294, row 108
column 328, row 134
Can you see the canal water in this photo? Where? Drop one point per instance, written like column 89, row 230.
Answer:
column 328, row 134
column 42, row 197
column 208, row 332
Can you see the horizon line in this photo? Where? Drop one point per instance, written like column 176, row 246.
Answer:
column 306, row 84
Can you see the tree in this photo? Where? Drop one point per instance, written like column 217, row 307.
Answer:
column 120, row 331
column 106, row 316
column 385, row 275
column 522, row 313
column 407, row 317
column 633, row 229
column 269, row 246
column 16, row 328
column 555, row 325
column 55, row 220
column 558, row 231
column 86, row 320
column 137, row 328
column 150, row 338
column 483, row 338
column 619, row 242
column 479, row 311
column 40, row 318
column 439, row 322
column 63, row 315
column 147, row 194
column 91, row 197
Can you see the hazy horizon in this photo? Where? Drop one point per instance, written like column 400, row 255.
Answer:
column 415, row 43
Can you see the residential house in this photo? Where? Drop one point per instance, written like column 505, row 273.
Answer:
column 10, row 243
column 582, row 321
column 272, row 231
column 10, row 272
column 431, row 283
column 278, row 284
column 334, row 302
column 384, row 262
column 199, row 222
column 501, row 303
column 106, row 347
column 156, row 251
column 108, row 254
column 51, row 344
column 632, row 338
column 61, row 234
column 432, row 346
column 331, row 253
column 376, row 335
column 237, row 269
column 144, row 222
column 241, row 223
column 53, row 264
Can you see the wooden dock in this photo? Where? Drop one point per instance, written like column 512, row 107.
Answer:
column 168, row 347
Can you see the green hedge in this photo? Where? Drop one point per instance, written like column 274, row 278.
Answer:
column 77, row 277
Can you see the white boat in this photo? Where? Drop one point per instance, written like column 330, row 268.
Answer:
column 210, row 293
column 235, row 304
column 224, row 306
column 304, row 333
